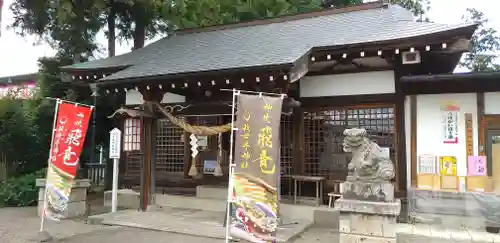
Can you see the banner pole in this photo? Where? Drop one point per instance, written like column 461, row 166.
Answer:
column 254, row 92
column 67, row 101
column 56, row 109
column 230, row 171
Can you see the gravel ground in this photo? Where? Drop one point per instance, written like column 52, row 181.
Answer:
column 20, row 225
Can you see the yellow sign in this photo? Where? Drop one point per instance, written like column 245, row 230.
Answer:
column 448, row 165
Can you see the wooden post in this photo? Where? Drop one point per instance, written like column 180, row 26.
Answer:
column 480, row 122
column 298, row 145
column 413, row 140
column 148, row 167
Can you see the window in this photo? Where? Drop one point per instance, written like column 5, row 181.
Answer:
column 132, row 135
column 324, row 155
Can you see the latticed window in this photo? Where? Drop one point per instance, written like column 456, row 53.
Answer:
column 169, row 147
column 324, row 155
column 132, row 135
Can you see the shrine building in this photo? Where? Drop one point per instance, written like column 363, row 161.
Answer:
column 371, row 66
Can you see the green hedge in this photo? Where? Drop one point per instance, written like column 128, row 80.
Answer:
column 20, row 191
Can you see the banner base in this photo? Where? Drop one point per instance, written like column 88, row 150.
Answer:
column 42, row 236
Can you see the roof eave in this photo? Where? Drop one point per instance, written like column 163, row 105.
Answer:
column 71, row 69
column 463, row 32
column 452, row 76
column 153, row 78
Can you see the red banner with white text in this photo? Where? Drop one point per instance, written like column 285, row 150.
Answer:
column 70, row 128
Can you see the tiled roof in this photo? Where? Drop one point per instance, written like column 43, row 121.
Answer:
column 276, row 43
column 17, row 79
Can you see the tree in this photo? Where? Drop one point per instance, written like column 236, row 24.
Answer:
column 19, row 150
column 139, row 20
column 418, row 7
column 485, row 44
column 66, row 25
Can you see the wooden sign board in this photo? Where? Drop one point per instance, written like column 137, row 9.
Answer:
column 428, row 181
column 477, row 184
column 469, row 140
column 449, row 182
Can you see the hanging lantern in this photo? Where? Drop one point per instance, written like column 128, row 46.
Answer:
column 132, row 134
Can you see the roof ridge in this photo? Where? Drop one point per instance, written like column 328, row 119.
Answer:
column 286, row 18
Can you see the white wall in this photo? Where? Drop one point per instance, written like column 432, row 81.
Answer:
column 381, row 82
column 429, row 127
column 134, row 97
column 492, row 103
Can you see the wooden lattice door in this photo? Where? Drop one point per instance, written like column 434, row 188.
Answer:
column 323, row 154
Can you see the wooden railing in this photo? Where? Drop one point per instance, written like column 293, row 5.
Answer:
column 96, row 173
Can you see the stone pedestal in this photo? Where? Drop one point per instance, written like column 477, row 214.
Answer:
column 368, row 209
column 126, row 198
column 77, row 205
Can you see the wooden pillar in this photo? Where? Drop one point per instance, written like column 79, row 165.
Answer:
column 298, row 141
column 401, row 173
column 480, row 123
column 413, row 140
column 187, row 153
column 148, row 163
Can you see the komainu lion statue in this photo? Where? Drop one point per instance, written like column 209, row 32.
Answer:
column 368, row 161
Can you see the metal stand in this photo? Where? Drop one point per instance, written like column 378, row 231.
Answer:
column 227, row 221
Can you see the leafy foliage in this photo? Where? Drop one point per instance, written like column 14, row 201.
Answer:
column 69, row 26
column 19, row 150
column 485, row 45
column 20, row 191
column 418, row 7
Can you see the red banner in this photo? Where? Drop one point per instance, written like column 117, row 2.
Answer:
column 70, row 128
column 69, row 136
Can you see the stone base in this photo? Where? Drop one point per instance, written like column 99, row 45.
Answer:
column 364, row 218
column 366, row 207
column 374, row 191
column 127, row 198
column 77, row 205
column 42, row 236
column 368, row 225
column 212, row 192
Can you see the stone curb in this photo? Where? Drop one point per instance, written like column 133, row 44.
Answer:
column 160, row 229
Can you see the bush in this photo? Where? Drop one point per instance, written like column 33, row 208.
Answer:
column 21, row 191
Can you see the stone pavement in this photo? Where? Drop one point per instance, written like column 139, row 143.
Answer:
column 122, row 235
column 194, row 222
column 20, row 225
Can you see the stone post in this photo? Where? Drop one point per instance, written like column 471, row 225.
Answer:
column 77, row 205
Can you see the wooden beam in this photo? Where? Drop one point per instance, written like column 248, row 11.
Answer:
column 413, row 140
column 348, row 100
column 460, row 45
column 480, row 123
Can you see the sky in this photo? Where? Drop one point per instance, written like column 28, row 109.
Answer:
column 19, row 55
